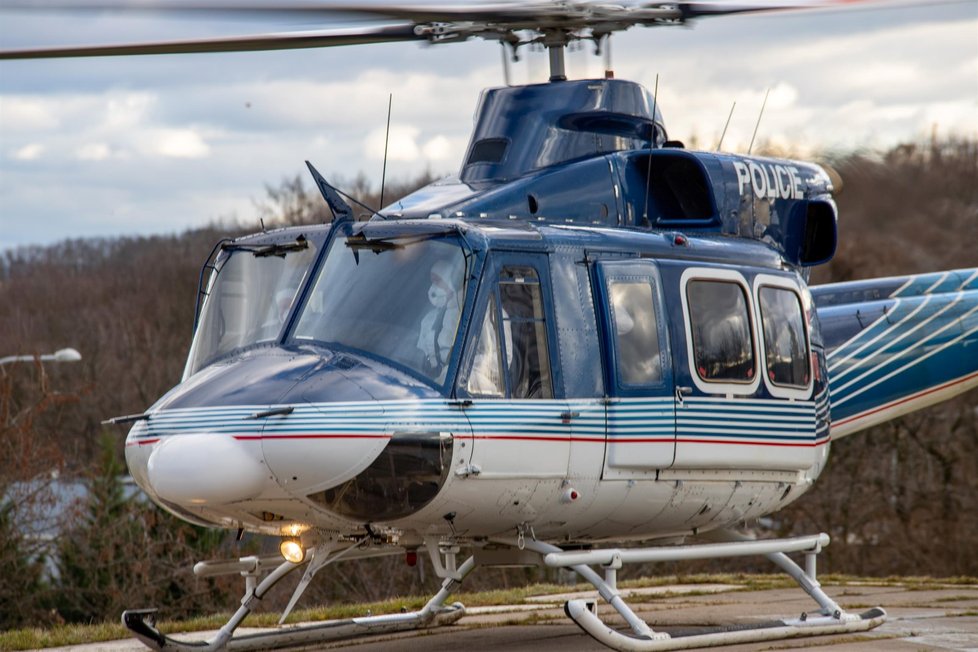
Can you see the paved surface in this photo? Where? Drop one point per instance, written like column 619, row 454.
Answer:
column 943, row 618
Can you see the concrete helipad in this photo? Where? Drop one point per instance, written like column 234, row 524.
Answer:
column 941, row 617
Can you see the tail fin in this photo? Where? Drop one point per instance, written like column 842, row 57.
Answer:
column 896, row 345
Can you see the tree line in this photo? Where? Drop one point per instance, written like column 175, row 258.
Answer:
column 898, row 499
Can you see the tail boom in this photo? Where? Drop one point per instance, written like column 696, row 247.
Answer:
column 897, row 345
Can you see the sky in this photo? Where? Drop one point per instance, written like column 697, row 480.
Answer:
column 158, row 144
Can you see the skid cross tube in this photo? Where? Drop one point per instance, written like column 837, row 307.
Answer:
column 680, row 553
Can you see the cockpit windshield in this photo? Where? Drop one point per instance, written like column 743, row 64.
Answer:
column 398, row 299
column 250, row 294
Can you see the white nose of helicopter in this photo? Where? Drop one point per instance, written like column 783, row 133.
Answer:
column 206, row 469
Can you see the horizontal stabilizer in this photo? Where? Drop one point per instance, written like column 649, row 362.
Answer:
column 896, row 345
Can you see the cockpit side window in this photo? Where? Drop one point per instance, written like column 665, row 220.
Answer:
column 486, row 375
column 524, row 333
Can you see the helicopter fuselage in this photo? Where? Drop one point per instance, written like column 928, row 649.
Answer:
column 620, row 398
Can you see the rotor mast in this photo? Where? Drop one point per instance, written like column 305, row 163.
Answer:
column 558, row 71
column 556, row 40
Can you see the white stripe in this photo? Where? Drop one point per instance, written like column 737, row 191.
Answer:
column 888, row 346
column 904, row 286
column 968, row 281
column 746, row 425
column 905, row 351
column 882, row 334
column 939, row 281
column 804, row 418
column 858, row 336
column 786, row 410
column 918, row 360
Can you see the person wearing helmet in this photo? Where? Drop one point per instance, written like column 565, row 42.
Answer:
column 439, row 324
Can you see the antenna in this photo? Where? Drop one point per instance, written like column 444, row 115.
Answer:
column 387, row 139
column 730, row 115
column 760, row 115
column 648, row 172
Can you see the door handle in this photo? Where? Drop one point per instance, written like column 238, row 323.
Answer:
column 566, row 417
column 682, row 391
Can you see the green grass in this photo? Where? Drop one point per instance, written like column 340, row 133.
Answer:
column 59, row 635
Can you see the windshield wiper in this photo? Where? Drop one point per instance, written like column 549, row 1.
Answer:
column 279, row 249
column 360, row 241
column 388, row 242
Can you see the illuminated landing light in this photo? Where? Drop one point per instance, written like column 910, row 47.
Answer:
column 292, row 550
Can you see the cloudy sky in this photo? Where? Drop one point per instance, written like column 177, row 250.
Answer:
column 155, row 144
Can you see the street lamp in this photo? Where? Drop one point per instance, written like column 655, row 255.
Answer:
column 63, row 355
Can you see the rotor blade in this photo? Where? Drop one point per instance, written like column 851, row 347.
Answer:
column 434, row 23
column 420, row 13
column 701, row 9
column 281, row 41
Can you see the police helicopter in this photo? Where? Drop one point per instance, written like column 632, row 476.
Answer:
column 589, row 335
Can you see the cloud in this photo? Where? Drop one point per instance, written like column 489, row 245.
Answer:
column 179, row 143
column 28, row 113
column 441, row 149
column 403, row 144
column 29, row 152
column 93, row 152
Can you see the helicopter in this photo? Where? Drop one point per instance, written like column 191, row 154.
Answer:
column 589, row 335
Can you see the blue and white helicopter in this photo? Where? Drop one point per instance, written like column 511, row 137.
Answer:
column 589, row 335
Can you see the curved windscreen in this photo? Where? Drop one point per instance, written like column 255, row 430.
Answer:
column 396, row 299
column 248, row 300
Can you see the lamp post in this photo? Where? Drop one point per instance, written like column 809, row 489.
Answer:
column 63, row 355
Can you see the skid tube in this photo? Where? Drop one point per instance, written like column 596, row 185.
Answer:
column 141, row 622
column 830, row 619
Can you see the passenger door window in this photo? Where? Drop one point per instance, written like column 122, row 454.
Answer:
column 723, row 348
column 524, row 333
column 635, row 332
column 785, row 343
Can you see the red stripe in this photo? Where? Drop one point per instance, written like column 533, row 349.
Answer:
column 745, row 443
column 907, row 399
column 143, row 442
column 309, row 436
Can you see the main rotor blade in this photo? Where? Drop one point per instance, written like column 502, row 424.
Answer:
column 574, row 19
column 280, row 41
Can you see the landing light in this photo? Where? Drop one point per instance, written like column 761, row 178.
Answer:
column 292, row 550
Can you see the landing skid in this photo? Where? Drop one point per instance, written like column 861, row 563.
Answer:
column 141, row 622
column 830, row 619
column 583, row 613
column 333, row 630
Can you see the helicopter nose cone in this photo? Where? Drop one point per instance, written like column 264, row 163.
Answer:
column 206, row 469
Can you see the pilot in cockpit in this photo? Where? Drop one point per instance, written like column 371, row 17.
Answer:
column 439, row 324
